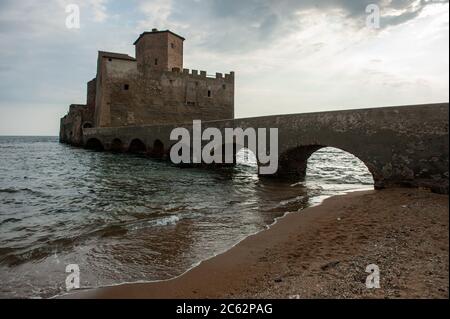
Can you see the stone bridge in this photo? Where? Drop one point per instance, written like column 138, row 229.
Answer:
column 404, row 146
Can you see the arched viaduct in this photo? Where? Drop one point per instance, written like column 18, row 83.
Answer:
column 401, row 146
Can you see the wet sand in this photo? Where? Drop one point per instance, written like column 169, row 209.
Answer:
column 323, row 251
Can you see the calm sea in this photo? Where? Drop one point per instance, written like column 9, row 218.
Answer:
column 125, row 218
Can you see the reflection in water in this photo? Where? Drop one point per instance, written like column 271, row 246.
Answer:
column 127, row 218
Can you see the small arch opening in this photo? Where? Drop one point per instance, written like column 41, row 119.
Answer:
column 117, row 146
column 158, row 149
column 87, row 125
column 94, row 144
column 137, row 147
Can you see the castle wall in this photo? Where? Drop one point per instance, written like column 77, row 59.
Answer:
column 71, row 128
column 101, row 114
column 109, row 65
column 175, row 52
column 79, row 115
column 91, row 92
column 131, row 97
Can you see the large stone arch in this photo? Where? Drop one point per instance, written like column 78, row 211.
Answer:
column 292, row 163
column 401, row 146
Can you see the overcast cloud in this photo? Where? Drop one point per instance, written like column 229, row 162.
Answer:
column 289, row 56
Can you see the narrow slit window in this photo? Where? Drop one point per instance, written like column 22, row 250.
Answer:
column 126, row 87
column 209, row 93
column 156, row 61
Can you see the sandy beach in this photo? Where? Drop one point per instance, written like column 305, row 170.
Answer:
column 322, row 252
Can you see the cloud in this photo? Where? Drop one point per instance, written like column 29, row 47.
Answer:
column 236, row 25
column 43, row 61
column 289, row 55
column 156, row 12
column 98, row 10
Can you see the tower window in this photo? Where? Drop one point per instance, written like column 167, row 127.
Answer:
column 156, row 61
column 109, row 59
column 172, row 46
column 224, row 86
column 209, row 93
column 126, row 87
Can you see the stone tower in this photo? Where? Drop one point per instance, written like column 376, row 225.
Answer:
column 159, row 51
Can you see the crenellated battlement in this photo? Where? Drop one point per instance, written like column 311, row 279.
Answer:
column 229, row 77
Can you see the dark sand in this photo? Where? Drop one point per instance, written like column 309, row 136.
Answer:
column 322, row 252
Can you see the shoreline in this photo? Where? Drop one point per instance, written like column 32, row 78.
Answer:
column 321, row 252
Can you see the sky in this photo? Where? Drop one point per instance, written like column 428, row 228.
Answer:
column 289, row 56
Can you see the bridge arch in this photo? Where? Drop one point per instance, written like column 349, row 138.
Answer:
column 158, row 150
column 293, row 162
column 333, row 165
column 116, row 146
column 137, row 147
column 94, row 144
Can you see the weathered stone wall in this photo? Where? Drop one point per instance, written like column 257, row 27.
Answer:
column 175, row 52
column 159, row 51
column 91, row 92
column 131, row 97
column 78, row 117
column 71, row 125
column 401, row 146
column 102, row 115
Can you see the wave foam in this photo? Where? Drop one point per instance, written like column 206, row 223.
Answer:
column 170, row 220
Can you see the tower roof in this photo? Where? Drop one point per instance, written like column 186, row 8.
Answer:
column 116, row 55
column 154, row 31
